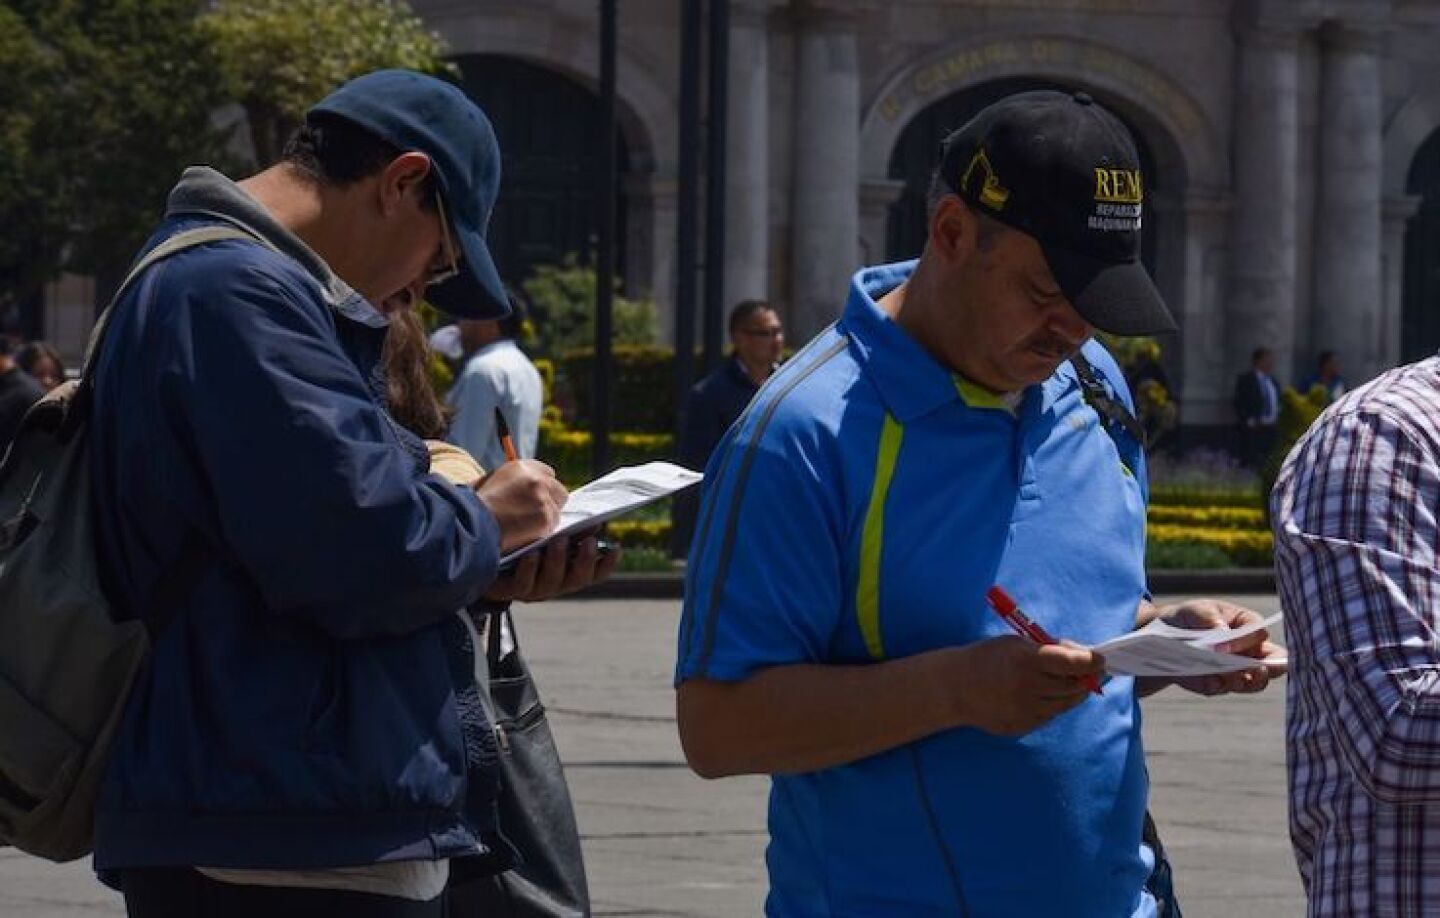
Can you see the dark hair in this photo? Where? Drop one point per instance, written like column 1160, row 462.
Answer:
column 513, row 325
column 409, row 393
column 1325, row 357
column 7, row 344
column 335, row 151
column 744, row 310
column 1259, row 354
column 36, row 351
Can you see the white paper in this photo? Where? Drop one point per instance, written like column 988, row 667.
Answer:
column 1159, row 649
column 613, row 495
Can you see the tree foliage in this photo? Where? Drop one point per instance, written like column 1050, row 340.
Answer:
column 278, row 57
column 563, row 300
column 103, row 103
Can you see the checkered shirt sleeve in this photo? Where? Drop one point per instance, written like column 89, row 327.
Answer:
column 1355, row 518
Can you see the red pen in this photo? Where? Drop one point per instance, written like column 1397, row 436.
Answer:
column 1006, row 608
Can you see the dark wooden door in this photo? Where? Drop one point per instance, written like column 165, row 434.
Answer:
column 548, row 126
column 1420, row 316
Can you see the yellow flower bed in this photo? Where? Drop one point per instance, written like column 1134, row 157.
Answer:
column 1207, row 517
column 1245, row 546
column 631, row 533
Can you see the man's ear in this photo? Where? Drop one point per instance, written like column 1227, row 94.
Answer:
column 402, row 177
column 953, row 229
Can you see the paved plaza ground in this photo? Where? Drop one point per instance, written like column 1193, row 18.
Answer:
column 660, row 841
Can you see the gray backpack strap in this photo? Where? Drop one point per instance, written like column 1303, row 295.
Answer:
column 201, row 235
column 78, row 410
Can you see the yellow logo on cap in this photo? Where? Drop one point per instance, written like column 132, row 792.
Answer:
column 992, row 194
column 1118, row 186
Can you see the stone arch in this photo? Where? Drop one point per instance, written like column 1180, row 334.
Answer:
column 1189, row 153
column 1411, row 225
column 646, row 106
column 570, row 46
column 1185, row 143
column 1409, row 128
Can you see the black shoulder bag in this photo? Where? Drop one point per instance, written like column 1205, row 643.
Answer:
column 536, row 813
column 1116, row 418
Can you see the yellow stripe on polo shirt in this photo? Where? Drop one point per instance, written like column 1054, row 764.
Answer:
column 977, row 396
column 872, row 538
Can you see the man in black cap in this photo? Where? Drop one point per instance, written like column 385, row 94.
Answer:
column 307, row 739
column 956, row 430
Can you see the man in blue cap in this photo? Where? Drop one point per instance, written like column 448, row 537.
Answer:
column 303, row 742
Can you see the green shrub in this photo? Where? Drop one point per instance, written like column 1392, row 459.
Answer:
column 568, row 451
column 1297, row 412
column 1185, row 556
column 562, row 298
column 1191, row 496
column 644, row 558
column 642, row 387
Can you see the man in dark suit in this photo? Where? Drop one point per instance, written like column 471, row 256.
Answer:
column 1257, row 407
column 758, row 339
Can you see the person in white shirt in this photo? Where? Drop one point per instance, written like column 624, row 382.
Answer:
column 496, row 376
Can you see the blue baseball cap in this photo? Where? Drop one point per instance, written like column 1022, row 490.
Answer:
column 415, row 112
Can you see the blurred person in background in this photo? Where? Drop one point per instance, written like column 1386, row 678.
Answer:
column 43, row 363
column 18, row 391
column 1257, row 407
column 757, row 341
column 1327, row 376
column 495, row 376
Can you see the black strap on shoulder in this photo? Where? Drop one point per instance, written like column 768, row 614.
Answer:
column 1111, row 410
column 177, row 584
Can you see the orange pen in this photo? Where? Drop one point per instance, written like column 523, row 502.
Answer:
column 505, row 441
column 1022, row 625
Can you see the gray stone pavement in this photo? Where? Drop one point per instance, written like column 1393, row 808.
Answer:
column 660, row 841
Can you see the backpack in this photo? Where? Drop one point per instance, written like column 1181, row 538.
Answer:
column 68, row 654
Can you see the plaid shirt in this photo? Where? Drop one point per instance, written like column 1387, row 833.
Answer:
column 1355, row 516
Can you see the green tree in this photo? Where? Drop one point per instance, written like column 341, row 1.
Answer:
column 116, row 97
column 278, row 57
column 30, row 185
column 563, row 299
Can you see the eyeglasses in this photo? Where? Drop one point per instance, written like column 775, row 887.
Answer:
column 763, row 332
column 447, row 245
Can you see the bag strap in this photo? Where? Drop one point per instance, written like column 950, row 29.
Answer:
column 183, row 575
column 1112, row 411
column 495, row 634
column 79, row 410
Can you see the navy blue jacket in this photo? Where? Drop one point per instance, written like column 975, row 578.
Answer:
column 301, row 710
column 711, row 407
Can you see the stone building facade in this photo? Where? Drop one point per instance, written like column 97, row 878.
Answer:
column 1291, row 145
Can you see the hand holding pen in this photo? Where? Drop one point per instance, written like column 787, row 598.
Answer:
column 503, row 430
column 1021, row 624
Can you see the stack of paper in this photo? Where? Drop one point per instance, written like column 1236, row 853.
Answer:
column 612, row 495
column 1159, row 649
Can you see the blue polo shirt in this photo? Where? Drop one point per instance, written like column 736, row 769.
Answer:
column 858, row 511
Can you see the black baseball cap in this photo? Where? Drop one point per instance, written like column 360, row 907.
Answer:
column 1060, row 168
column 415, row 112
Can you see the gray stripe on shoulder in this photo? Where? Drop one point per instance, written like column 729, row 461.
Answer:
column 697, row 556
column 728, row 546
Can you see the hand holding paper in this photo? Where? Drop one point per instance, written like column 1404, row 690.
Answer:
column 612, row 495
column 1168, row 650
